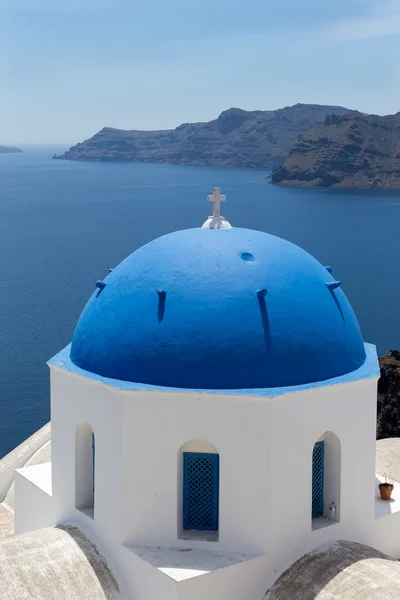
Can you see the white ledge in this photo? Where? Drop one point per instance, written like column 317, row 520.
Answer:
column 39, row 475
column 184, row 563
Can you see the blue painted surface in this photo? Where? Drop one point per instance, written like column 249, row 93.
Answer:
column 200, row 491
column 369, row 369
column 213, row 329
column 318, row 461
column 93, row 459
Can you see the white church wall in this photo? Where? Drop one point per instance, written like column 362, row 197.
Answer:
column 78, row 401
column 33, row 508
column 348, row 412
column 386, row 535
column 265, row 483
column 145, row 581
column 242, row 581
column 156, row 425
column 265, row 449
column 18, row 457
column 299, row 420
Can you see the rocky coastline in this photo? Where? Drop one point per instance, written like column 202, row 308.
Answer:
column 305, row 145
column 353, row 150
column 9, row 150
column 388, row 413
column 240, row 138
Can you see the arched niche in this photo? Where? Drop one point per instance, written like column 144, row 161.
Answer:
column 84, row 468
column 326, row 488
column 203, row 453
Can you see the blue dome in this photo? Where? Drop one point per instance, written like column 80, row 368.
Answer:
column 218, row 309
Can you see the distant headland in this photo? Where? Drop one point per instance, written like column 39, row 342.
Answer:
column 9, row 149
column 305, row 145
column 239, row 138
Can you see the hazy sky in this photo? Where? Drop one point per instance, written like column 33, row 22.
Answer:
column 70, row 67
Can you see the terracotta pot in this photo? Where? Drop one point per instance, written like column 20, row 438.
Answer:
column 386, row 490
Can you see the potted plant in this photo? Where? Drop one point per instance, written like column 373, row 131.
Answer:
column 386, row 488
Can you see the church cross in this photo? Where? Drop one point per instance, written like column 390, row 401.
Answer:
column 216, row 198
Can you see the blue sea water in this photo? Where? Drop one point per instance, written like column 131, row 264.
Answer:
column 63, row 224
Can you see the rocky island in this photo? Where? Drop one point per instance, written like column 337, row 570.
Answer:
column 9, row 149
column 236, row 138
column 388, row 417
column 352, row 150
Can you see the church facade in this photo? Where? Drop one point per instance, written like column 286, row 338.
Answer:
column 213, row 420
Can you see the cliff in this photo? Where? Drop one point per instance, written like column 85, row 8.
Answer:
column 8, row 149
column 237, row 138
column 388, row 422
column 353, row 150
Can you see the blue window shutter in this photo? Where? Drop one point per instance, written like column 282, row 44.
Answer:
column 93, row 458
column 318, row 480
column 200, row 491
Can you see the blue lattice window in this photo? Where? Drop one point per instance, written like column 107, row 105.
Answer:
column 93, row 458
column 200, row 491
column 318, row 480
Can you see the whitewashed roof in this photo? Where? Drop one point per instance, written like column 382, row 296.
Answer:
column 340, row 571
column 54, row 563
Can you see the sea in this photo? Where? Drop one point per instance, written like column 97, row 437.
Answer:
column 64, row 224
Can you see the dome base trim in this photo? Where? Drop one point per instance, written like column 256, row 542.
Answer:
column 368, row 370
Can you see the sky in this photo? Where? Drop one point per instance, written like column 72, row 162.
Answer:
column 70, row 67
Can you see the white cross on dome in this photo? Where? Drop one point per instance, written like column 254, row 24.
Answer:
column 216, row 220
column 216, row 198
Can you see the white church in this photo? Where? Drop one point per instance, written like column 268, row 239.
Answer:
column 212, row 437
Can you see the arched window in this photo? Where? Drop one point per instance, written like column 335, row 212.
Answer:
column 198, row 491
column 326, row 480
column 84, row 468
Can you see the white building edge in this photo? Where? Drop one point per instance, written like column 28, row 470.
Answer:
column 121, row 451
